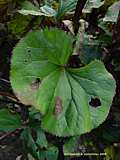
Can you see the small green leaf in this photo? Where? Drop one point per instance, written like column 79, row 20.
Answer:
column 90, row 49
column 65, row 7
column 17, row 28
column 90, row 4
column 9, row 121
column 41, row 138
column 51, row 153
column 29, row 9
column 72, row 101
column 48, row 10
column 29, row 143
column 28, row 6
column 112, row 13
column 106, row 26
column 70, row 5
column 38, row 153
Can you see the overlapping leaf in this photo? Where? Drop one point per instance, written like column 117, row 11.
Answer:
column 90, row 4
column 64, row 7
column 112, row 13
column 39, row 77
column 35, row 148
column 8, row 121
column 29, row 9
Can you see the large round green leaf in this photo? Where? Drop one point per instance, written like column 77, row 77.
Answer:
column 64, row 96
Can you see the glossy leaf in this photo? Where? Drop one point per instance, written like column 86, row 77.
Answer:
column 65, row 96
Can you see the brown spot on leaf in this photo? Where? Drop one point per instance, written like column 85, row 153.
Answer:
column 58, row 106
column 35, row 84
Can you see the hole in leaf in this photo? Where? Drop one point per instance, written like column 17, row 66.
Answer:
column 29, row 50
column 25, row 60
column 38, row 80
column 37, row 150
column 35, row 84
column 95, row 102
column 58, row 106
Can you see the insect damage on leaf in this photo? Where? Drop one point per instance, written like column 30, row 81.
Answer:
column 26, row 97
column 95, row 102
column 28, row 57
column 58, row 106
column 35, row 84
column 29, row 50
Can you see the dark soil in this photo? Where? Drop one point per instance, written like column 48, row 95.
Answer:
column 10, row 147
